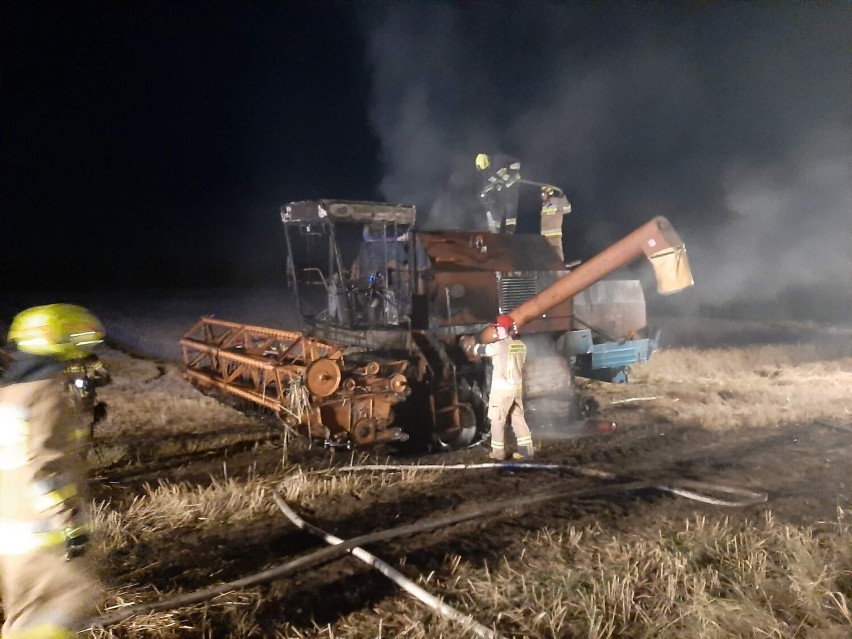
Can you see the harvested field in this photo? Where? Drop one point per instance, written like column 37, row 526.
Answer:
column 183, row 489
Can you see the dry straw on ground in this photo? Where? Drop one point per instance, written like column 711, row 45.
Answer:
column 750, row 387
column 653, row 576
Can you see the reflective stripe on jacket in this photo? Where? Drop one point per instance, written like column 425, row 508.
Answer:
column 52, row 492
column 42, row 631
column 22, row 537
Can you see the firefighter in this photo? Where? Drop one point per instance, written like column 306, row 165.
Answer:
column 554, row 205
column 505, row 398
column 48, row 586
column 500, row 173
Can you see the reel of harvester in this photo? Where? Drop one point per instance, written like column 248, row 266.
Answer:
column 312, row 385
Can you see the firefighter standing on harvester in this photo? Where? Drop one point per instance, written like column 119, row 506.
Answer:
column 554, row 206
column 48, row 587
column 505, row 398
column 501, row 181
column 499, row 193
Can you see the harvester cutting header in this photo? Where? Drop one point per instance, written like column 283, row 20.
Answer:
column 388, row 307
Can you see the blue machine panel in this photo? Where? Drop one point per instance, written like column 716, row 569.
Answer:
column 617, row 354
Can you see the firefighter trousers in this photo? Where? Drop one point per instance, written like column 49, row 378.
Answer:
column 507, row 406
column 46, row 596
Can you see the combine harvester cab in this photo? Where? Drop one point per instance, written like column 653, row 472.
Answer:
column 386, row 307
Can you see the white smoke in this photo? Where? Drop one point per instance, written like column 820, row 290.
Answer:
column 792, row 226
column 730, row 119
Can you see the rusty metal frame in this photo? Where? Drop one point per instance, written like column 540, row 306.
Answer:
column 267, row 366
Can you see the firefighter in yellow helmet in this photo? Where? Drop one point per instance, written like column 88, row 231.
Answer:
column 48, row 587
column 500, row 174
column 554, row 206
column 482, row 161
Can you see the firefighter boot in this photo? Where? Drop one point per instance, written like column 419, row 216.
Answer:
column 525, row 448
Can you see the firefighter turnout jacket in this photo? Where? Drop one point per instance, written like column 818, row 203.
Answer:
column 500, row 173
column 554, row 207
column 48, row 588
column 505, row 398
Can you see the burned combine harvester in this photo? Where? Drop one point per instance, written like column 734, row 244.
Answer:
column 381, row 360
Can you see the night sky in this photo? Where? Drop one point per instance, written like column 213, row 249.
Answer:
column 150, row 144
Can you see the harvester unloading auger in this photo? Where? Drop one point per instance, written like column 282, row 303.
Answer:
column 656, row 239
column 381, row 360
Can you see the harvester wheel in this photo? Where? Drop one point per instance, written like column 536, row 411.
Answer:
column 322, row 377
column 457, row 426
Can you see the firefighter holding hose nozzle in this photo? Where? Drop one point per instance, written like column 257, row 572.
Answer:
column 48, row 587
column 499, row 194
column 505, row 398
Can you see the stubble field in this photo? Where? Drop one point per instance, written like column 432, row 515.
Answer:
column 591, row 541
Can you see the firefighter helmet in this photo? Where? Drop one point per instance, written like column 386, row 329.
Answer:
column 547, row 191
column 482, row 161
column 65, row 331
column 505, row 326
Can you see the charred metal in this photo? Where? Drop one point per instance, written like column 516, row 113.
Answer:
column 386, row 306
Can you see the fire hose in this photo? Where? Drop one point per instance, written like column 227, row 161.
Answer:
column 394, row 575
column 686, row 488
column 325, row 555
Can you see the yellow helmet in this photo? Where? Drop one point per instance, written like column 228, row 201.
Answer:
column 547, row 191
column 64, row 331
column 482, row 161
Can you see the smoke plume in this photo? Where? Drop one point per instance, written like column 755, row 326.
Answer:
column 731, row 119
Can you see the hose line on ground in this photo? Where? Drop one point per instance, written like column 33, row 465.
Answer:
column 466, row 621
column 683, row 488
column 686, row 488
column 325, row 555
